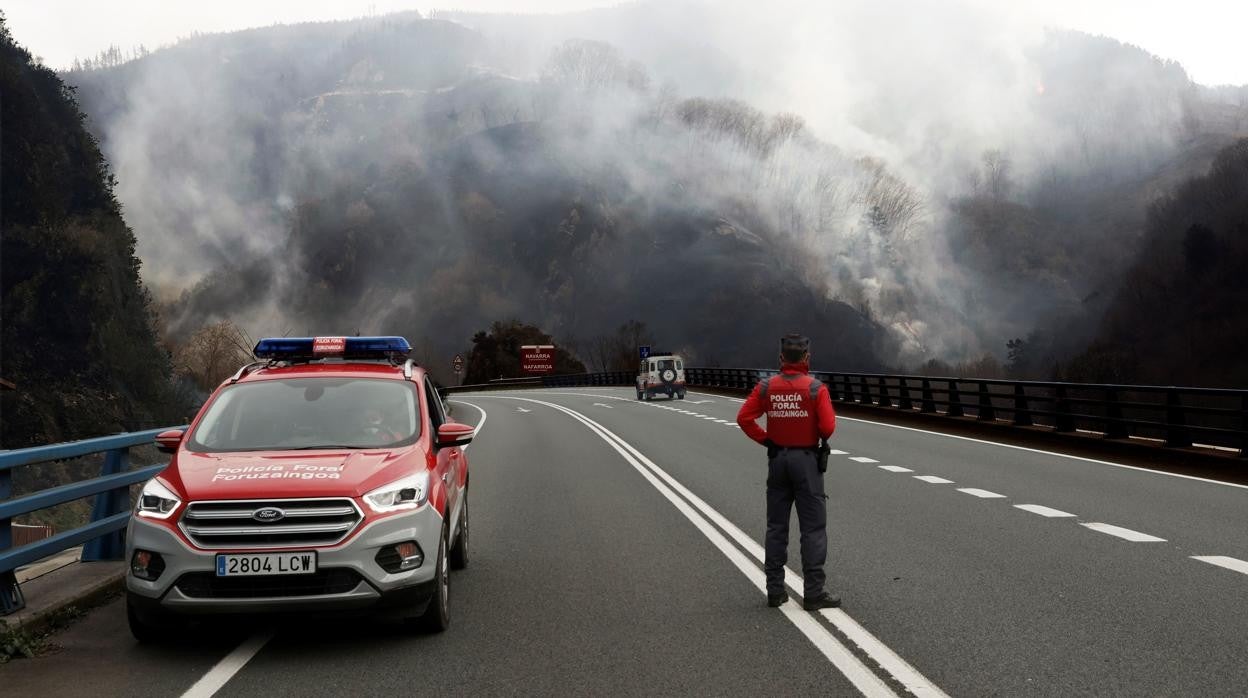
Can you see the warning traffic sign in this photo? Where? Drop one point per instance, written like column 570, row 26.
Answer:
column 458, row 363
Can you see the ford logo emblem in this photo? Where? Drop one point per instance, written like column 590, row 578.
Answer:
column 268, row 515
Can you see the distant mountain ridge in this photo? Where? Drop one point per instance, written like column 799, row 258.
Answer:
column 311, row 159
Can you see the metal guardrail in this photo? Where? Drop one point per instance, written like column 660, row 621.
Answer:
column 1176, row 417
column 102, row 536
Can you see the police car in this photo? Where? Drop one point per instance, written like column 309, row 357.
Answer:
column 661, row 374
column 324, row 477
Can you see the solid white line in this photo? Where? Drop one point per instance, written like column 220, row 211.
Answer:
column 480, row 424
column 933, row 479
column 231, row 664
column 1125, row 533
column 1229, row 563
column 895, row 469
column 836, row 652
column 910, row 677
column 985, row 494
column 863, row 459
column 1047, row 453
column 1043, row 511
column 915, row 682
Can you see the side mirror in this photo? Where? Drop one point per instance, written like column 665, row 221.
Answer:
column 455, row 434
column 168, row 441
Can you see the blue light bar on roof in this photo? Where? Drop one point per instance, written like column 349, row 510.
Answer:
column 331, row 347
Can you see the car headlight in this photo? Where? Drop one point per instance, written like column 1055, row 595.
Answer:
column 408, row 493
column 157, row 501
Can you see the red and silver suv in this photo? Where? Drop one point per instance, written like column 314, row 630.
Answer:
column 326, row 476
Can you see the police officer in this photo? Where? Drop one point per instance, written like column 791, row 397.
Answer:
column 799, row 414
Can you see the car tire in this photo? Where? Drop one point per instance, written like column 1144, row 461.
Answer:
column 459, row 551
column 437, row 616
column 146, row 626
column 639, row 396
column 681, row 395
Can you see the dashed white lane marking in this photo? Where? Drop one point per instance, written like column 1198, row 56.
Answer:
column 1124, row 533
column 1047, row 453
column 1229, row 563
column 1043, row 511
column 721, row 421
column 984, row 494
column 863, row 459
column 231, row 664
column 933, row 479
column 895, row 469
column 835, row 452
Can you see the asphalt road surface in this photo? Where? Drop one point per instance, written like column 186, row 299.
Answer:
column 615, row 550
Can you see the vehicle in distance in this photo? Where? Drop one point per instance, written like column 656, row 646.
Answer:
column 661, row 374
column 324, row 477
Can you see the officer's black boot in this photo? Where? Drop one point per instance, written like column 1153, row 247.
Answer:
column 775, row 600
column 825, row 601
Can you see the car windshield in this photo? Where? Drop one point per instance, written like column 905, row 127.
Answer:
column 309, row 413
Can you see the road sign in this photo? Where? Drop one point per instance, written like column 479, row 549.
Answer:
column 458, row 363
column 537, row 358
column 644, row 351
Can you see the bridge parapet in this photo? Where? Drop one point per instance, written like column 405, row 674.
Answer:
column 102, row 536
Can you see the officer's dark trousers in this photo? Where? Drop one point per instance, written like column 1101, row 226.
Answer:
column 793, row 477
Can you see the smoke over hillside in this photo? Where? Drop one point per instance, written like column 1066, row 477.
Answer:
column 715, row 171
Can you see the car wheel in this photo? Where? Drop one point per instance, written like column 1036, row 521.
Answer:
column 437, row 617
column 146, row 626
column 639, row 396
column 459, row 552
column 681, row 395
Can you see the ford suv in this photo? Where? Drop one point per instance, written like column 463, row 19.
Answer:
column 324, row 477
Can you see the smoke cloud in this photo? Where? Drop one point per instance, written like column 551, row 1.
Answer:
column 906, row 180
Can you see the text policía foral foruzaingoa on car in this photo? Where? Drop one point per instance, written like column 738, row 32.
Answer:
column 301, row 471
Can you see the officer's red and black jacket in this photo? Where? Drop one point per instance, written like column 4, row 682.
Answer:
column 798, row 408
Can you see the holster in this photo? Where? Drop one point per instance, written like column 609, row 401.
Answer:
column 821, row 455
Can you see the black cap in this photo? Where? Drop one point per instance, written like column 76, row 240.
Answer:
column 794, row 346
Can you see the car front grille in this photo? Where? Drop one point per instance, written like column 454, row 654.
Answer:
column 206, row 585
column 231, row 524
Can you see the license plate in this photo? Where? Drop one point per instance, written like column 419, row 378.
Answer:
column 246, row 565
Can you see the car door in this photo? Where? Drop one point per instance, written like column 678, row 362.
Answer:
column 450, row 468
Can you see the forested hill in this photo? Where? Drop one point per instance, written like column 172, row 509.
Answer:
column 1179, row 317
column 78, row 339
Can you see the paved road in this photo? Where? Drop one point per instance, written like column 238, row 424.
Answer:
column 614, row 553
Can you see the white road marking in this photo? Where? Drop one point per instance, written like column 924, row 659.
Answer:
column 895, row 469
column 480, row 424
column 1041, row 451
column 721, row 421
column 832, row 648
column 1125, row 533
column 933, row 479
column 521, row 409
column 1229, row 563
column 976, row 492
column 835, row 452
column 1043, row 511
column 231, row 664
column 863, row 459
column 699, row 402
column 599, row 404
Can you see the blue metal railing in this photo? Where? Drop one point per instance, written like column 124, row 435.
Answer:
column 103, row 536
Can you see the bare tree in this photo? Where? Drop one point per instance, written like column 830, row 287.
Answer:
column 212, row 353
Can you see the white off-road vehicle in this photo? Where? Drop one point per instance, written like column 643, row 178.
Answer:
column 661, row 374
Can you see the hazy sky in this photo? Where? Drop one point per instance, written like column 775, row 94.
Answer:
column 1206, row 36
